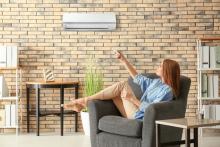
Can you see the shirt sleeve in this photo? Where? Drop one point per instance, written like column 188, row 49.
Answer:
column 164, row 96
column 140, row 113
column 167, row 95
column 143, row 81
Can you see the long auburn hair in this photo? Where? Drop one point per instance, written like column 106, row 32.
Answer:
column 171, row 75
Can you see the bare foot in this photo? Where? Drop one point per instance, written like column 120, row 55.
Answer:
column 81, row 101
column 73, row 106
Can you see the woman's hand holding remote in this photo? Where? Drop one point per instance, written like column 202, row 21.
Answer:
column 119, row 56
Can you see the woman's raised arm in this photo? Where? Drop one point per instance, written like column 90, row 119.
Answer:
column 132, row 71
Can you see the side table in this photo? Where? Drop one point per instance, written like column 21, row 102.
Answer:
column 57, row 84
column 186, row 124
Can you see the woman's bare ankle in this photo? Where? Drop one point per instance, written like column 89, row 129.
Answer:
column 81, row 101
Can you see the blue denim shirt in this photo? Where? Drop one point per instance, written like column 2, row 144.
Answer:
column 154, row 90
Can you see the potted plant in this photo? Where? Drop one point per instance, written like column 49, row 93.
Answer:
column 93, row 84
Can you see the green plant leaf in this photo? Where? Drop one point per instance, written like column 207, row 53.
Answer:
column 93, row 78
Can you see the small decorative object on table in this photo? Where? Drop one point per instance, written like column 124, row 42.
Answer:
column 48, row 75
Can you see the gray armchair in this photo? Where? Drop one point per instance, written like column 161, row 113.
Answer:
column 109, row 129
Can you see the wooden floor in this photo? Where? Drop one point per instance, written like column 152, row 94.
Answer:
column 73, row 140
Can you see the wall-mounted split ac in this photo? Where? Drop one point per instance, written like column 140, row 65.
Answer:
column 89, row 21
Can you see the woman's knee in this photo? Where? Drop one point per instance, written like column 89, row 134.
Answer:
column 121, row 85
column 123, row 82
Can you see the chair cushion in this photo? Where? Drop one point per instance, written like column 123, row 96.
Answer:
column 121, row 126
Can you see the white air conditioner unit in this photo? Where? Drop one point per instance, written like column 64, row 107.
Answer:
column 89, row 21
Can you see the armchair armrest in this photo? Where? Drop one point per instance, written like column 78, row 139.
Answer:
column 98, row 109
column 159, row 111
column 164, row 110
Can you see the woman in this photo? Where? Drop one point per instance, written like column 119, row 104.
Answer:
column 154, row 90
